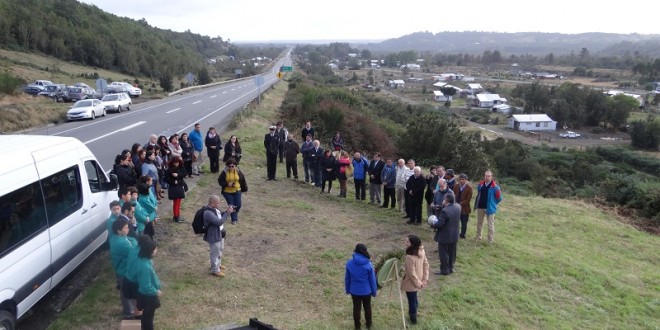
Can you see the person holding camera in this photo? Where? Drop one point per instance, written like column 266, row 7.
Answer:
column 233, row 184
column 214, row 221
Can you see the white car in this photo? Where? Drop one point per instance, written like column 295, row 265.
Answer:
column 132, row 91
column 86, row 109
column 116, row 102
column 569, row 135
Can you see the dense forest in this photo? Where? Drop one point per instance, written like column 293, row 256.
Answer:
column 77, row 32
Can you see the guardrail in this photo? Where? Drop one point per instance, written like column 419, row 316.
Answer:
column 192, row 88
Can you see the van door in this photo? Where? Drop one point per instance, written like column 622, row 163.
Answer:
column 100, row 197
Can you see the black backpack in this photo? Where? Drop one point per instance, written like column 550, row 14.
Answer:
column 198, row 221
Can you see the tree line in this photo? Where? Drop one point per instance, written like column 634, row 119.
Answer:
column 76, row 32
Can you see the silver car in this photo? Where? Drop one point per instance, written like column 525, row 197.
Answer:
column 86, row 109
column 116, row 102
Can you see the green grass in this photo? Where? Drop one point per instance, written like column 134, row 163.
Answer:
column 556, row 264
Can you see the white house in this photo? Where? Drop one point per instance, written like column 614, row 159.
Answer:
column 398, row 83
column 485, row 100
column 501, row 108
column 439, row 97
column 536, row 122
column 448, row 77
column 638, row 98
column 472, row 89
column 413, row 67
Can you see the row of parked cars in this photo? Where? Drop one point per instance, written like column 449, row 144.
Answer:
column 89, row 103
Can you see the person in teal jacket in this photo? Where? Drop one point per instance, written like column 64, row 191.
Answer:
column 141, row 214
column 149, row 204
column 121, row 246
column 115, row 210
column 148, row 283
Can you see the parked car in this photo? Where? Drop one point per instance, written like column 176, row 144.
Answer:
column 86, row 89
column 116, row 102
column 114, row 89
column 33, row 90
column 74, row 94
column 86, row 109
column 132, row 91
column 36, row 86
column 569, row 135
column 55, row 92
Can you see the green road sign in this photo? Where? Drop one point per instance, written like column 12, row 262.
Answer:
column 287, row 68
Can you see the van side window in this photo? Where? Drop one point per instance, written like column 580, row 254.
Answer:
column 95, row 176
column 63, row 194
column 22, row 215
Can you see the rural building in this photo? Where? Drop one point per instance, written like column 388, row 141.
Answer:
column 536, row 122
column 448, row 77
column 472, row 89
column 501, row 108
column 439, row 97
column 638, row 98
column 412, row 67
column 486, row 100
column 396, row 83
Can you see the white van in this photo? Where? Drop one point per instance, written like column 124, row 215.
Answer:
column 54, row 200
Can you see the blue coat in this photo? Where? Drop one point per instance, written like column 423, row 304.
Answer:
column 494, row 197
column 360, row 168
column 196, row 139
column 389, row 176
column 360, row 278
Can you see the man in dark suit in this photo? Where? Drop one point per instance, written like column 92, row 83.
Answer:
column 272, row 145
column 315, row 155
column 446, row 234
column 375, row 182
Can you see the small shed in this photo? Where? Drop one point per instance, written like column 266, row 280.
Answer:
column 534, row 122
column 398, row 83
column 439, row 97
column 486, row 100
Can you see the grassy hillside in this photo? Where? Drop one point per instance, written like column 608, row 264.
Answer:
column 556, row 264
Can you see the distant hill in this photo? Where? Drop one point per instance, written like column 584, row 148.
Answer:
column 534, row 43
column 76, row 32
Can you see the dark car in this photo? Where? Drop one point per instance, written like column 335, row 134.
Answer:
column 74, row 94
column 86, row 89
column 55, row 92
column 33, row 90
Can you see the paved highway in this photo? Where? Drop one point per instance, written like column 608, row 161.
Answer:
column 212, row 106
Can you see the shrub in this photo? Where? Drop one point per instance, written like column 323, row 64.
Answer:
column 9, row 84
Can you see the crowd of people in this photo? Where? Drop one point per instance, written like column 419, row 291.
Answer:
column 400, row 186
column 164, row 163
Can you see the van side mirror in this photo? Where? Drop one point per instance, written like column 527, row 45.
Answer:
column 113, row 184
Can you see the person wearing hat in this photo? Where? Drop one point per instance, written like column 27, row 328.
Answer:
column 360, row 283
column 451, row 180
column 272, row 145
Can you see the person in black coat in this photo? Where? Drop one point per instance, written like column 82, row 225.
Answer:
column 272, row 145
column 328, row 165
column 175, row 176
column 375, row 182
column 447, row 230
column 213, row 147
column 415, row 190
column 187, row 153
column 126, row 175
column 315, row 155
column 233, row 150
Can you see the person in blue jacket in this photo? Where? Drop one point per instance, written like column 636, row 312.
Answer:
column 148, row 298
column 360, row 167
column 360, row 283
column 197, row 140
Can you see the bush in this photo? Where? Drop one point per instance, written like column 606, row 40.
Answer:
column 9, row 84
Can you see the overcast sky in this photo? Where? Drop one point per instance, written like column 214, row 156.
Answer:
column 339, row 20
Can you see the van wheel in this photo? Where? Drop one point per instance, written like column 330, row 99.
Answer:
column 128, row 106
column 7, row 321
column 119, row 109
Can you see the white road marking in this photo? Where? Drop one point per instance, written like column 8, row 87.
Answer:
column 177, row 109
column 224, row 92
column 212, row 96
column 117, row 131
column 197, row 102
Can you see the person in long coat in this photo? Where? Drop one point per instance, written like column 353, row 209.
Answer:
column 328, row 165
column 175, row 176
